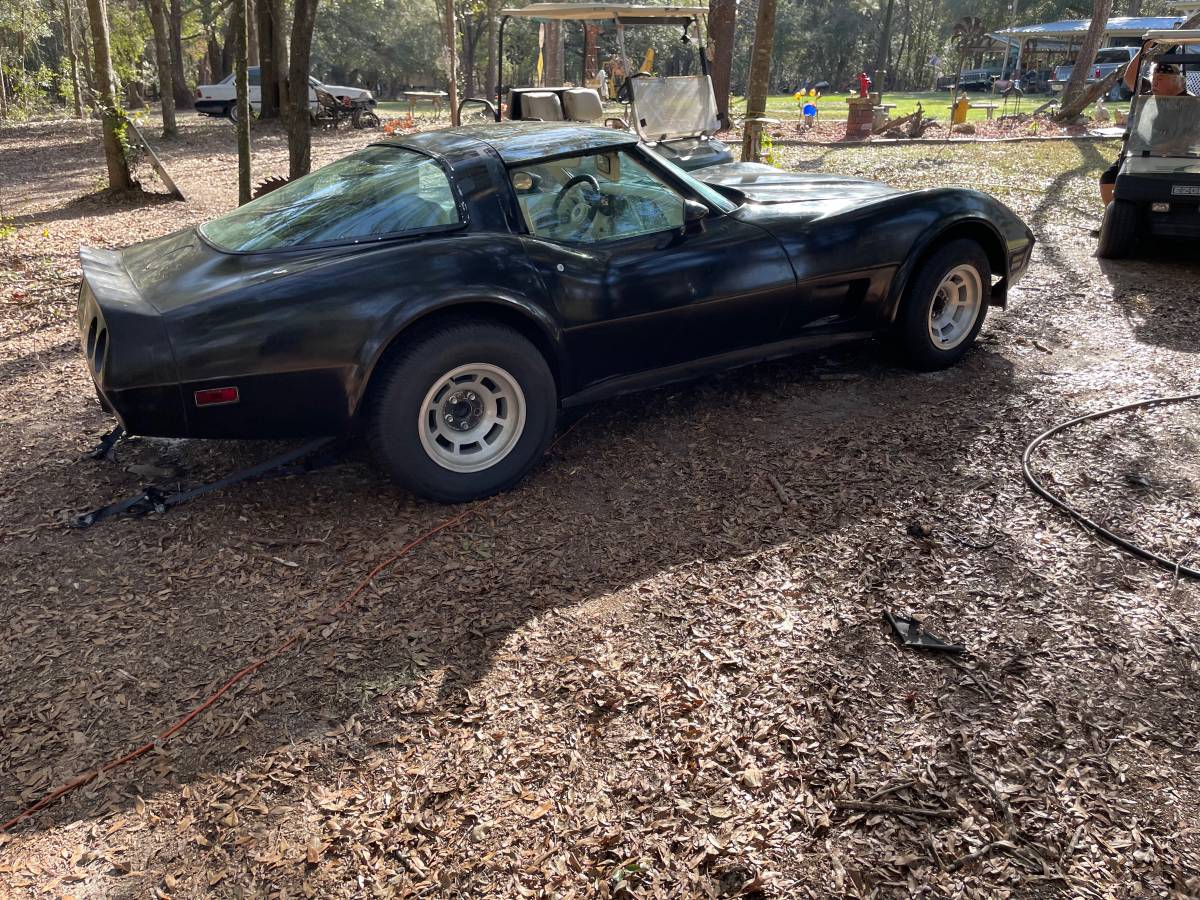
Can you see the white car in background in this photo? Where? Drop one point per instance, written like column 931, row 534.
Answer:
column 221, row 98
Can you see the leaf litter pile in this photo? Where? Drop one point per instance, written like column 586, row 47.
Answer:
column 657, row 668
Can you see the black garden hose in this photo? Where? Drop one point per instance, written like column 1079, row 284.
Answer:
column 1175, row 566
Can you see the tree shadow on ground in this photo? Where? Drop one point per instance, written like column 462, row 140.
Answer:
column 1156, row 292
column 801, row 452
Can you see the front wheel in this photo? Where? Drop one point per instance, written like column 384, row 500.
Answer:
column 462, row 412
column 945, row 308
column 1119, row 230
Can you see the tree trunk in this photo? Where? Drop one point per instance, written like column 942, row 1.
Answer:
column 759, row 80
column 119, row 178
column 183, row 97
column 69, row 33
column 1135, row 8
column 88, row 69
column 493, row 8
column 252, row 26
column 229, row 46
column 451, row 36
column 469, row 37
column 722, row 17
column 554, row 54
column 3, row 91
column 162, row 56
column 1086, row 57
column 241, row 29
column 279, row 45
column 299, row 123
column 885, row 46
column 268, row 77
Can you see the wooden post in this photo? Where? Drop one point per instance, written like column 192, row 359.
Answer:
column 760, row 77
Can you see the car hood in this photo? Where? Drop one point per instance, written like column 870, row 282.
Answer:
column 766, row 184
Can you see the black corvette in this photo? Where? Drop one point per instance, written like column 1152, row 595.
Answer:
column 449, row 292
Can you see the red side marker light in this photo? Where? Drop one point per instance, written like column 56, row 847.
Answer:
column 216, row 396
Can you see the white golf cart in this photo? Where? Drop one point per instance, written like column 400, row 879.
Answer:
column 1157, row 192
column 677, row 114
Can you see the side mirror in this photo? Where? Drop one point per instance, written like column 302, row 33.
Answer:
column 694, row 212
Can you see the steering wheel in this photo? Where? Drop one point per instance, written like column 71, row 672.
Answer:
column 625, row 92
column 578, row 220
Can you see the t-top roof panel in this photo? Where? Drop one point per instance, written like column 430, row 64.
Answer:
column 576, row 12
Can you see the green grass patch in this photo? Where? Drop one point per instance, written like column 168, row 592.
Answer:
column 935, row 103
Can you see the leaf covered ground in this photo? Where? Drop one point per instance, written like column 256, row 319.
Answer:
column 658, row 667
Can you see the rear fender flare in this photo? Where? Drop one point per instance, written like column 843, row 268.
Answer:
column 511, row 309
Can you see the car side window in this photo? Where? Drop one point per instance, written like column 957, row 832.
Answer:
column 595, row 198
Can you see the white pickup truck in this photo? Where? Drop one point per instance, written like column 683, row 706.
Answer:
column 220, row 99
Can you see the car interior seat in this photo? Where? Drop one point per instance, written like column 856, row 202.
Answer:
column 542, row 105
column 583, row 105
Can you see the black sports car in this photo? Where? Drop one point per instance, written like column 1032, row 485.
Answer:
column 450, row 291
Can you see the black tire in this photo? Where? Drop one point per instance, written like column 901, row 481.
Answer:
column 912, row 333
column 394, row 420
column 231, row 113
column 1119, row 230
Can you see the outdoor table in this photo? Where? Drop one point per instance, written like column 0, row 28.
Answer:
column 413, row 97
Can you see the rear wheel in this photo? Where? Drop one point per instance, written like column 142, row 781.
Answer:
column 463, row 411
column 946, row 306
column 1119, row 231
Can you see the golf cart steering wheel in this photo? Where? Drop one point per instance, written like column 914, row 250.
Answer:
column 625, row 92
column 591, row 181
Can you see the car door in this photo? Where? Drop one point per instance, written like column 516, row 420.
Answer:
column 635, row 287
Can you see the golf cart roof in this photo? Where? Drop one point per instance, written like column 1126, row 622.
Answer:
column 1178, row 36
column 590, row 12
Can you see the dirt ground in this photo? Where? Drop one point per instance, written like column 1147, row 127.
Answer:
column 658, row 667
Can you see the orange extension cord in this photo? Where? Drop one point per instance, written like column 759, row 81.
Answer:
column 242, row 674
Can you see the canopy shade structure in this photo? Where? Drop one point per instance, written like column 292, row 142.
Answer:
column 1174, row 36
column 1068, row 29
column 596, row 12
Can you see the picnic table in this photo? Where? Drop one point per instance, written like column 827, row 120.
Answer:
column 415, row 97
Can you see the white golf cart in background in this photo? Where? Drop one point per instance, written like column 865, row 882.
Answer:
column 677, row 115
column 1157, row 191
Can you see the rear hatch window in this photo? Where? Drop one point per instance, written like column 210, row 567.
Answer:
column 378, row 192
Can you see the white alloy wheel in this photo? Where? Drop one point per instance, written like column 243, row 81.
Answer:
column 955, row 307
column 472, row 417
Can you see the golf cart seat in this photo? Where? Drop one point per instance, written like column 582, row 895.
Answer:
column 582, row 104
column 542, row 105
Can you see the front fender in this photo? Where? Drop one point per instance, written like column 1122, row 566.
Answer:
column 970, row 214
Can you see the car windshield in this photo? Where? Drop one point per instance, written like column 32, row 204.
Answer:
column 377, row 192
column 1166, row 126
column 717, row 199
